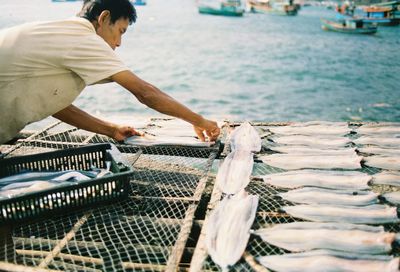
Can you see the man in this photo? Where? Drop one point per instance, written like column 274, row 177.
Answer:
column 45, row 65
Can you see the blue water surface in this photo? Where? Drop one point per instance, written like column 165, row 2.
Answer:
column 258, row 67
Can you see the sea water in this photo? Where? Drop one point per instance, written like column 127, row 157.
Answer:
column 257, row 67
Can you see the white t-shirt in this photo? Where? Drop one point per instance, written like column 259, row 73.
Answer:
column 45, row 65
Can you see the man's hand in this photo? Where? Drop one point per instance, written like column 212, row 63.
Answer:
column 210, row 128
column 123, row 132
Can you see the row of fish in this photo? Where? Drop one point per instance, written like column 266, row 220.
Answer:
column 338, row 202
column 169, row 132
column 331, row 179
column 228, row 226
column 335, row 128
column 340, row 205
column 323, row 145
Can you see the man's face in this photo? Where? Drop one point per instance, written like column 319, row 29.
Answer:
column 112, row 33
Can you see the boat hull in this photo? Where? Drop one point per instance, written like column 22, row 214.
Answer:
column 333, row 26
column 382, row 22
column 289, row 10
column 222, row 11
column 274, row 11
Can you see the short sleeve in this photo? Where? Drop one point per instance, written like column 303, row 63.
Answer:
column 93, row 60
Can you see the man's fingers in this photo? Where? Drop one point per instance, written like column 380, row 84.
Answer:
column 134, row 132
column 139, row 133
column 213, row 134
column 200, row 134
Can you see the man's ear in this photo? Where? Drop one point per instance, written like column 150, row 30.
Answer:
column 104, row 17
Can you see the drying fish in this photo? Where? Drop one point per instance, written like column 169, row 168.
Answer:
column 27, row 187
column 328, row 225
column 314, row 141
column 392, row 197
column 234, row 173
column 308, row 150
column 173, row 132
column 303, row 236
column 174, row 123
column 387, row 178
column 312, row 195
column 320, row 123
column 149, row 140
column 293, row 162
column 351, row 180
column 228, row 228
column 378, row 141
column 379, row 151
column 171, row 123
column 372, row 130
column 27, row 176
column 328, row 261
column 372, row 214
column 383, row 162
column 246, row 138
column 310, row 130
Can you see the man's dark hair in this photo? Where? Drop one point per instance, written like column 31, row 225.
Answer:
column 118, row 9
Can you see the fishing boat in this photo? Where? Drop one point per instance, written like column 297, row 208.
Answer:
column 351, row 26
column 273, row 7
column 221, row 7
column 346, row 8
column 382, row 15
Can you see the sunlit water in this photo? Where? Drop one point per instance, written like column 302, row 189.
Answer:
column 258, row 67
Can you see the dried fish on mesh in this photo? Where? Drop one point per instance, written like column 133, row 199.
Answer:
column 245, row 137
column 372, row 214
column 174, row 123
column 392, row 197
column 312, row 195
column 303, row 236
column 320, row 123
column 308, row 150
column 316, row 129
column 387, row 178
column 383, row 162
column 149, row 140
column 352, row 180
column 34, row 181
column 228, row 228
column 373, row 130
column 379, row 151
column 329, row 260
column 312, row 141
column 172, row 132
column 378, row 141
column 234, row 173
column 293, row 162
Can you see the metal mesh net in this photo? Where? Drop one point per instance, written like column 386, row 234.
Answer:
column 146, row 232
column 160, row 227
column 268, row 213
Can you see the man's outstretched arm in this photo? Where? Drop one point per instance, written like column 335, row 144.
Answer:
column 78, row 118
column 161, row 102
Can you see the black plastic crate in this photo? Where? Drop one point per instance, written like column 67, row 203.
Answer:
column 64, row 198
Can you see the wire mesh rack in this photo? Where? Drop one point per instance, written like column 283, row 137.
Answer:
column 159, row 227
column 152, row 230
column 268, row 212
